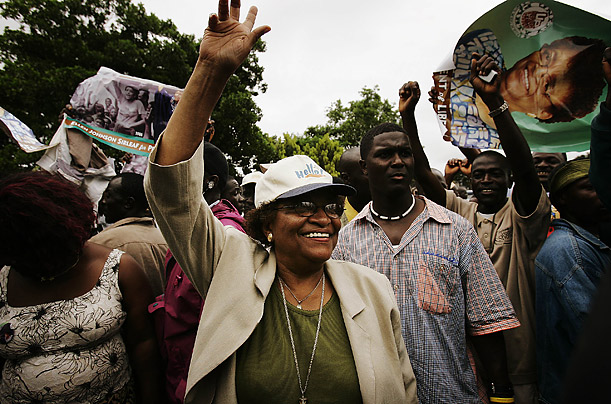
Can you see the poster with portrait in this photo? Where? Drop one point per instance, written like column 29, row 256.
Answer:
column 551, row 76
column 124, row 104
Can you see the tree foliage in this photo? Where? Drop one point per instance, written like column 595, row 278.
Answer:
column 349, row 123
column 323, row 150
column 59, row 43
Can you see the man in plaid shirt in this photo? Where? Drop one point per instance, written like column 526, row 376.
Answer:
column 448, row 292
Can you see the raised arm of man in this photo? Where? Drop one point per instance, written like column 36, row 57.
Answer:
column 225, row 45
column 527, row 189
column 409, row 94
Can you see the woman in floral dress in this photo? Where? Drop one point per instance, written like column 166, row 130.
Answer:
column 74, row 326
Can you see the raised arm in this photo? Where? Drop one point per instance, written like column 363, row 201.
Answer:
column 527, row 190
column 115, row 90
column 225, row 45
column 452, row 168
column 409, row 94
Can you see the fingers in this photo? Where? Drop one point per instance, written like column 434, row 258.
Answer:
column 250, row 18
column 234, row 10
column 223, row 13
column 408, row 89
column 482, row 65
column 258, row 33
column 213, row 21
column 414, row 87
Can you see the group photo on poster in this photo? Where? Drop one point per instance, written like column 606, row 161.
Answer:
column 124, row 104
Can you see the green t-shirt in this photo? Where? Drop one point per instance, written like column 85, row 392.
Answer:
column 265, row 368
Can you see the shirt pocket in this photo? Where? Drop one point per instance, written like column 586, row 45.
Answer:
column 437, row 284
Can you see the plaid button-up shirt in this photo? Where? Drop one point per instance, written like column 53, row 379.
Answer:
column 446, row 288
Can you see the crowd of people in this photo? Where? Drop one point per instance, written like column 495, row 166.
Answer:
column 388, row 284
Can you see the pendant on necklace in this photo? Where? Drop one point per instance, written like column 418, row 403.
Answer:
column 303, row 400
column 299, row 307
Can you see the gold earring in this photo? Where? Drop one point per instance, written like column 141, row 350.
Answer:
column 531, row 114
column 270, row 237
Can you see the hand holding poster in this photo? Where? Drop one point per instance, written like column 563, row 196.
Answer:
column 551, row 76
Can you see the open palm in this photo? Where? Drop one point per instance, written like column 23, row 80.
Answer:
column 226, row 41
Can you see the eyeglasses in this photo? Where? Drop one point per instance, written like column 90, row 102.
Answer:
column 307, row 209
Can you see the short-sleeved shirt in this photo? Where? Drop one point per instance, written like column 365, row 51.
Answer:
column 139, row 237
column 446, row 289
column 512, row 242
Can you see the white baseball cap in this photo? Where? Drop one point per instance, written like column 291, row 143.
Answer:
column 252, row 178
column 293, row 176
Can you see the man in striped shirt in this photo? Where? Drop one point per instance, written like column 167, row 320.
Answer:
column 448, row 292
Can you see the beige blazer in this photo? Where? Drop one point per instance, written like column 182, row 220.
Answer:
column 234, row 274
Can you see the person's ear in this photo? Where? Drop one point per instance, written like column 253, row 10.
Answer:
column 212, row 181
column 129, row 203
column 363, row 165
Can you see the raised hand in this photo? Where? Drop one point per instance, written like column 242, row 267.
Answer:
column 226, row 41
column 452, row 167
column 409, row 95
column 225, row 45
column 488, row 91
column 465, row 167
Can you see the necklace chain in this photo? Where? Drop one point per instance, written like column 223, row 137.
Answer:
column 288, row 321
column 401, row 216
column 305, row 298
column 44, row 279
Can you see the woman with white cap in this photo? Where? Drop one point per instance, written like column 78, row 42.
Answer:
column 282, row 323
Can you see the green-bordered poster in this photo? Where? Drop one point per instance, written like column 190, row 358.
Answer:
column 551, row 75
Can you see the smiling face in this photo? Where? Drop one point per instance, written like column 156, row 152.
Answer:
column 305, row 241
column 389, row 165
column 490, row 181
column 131, row 93
column 537, row 84
column 545, row 163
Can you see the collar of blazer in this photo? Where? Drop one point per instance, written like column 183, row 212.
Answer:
column 225, row 327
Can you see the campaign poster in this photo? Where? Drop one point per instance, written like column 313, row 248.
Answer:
column 127, row 143
column 551, row 76
column 124, row 104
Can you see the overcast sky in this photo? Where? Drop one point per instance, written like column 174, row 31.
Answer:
column 322, row 50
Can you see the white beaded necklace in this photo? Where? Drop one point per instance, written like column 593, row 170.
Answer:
column 401, row 216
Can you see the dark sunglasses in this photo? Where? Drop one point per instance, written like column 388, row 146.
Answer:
column 307, row 209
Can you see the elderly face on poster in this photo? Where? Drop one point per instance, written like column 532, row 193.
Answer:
column 550, row 75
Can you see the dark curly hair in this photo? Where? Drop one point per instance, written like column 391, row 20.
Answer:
column 584, row 71
column 45, row 222
column 257, row 219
